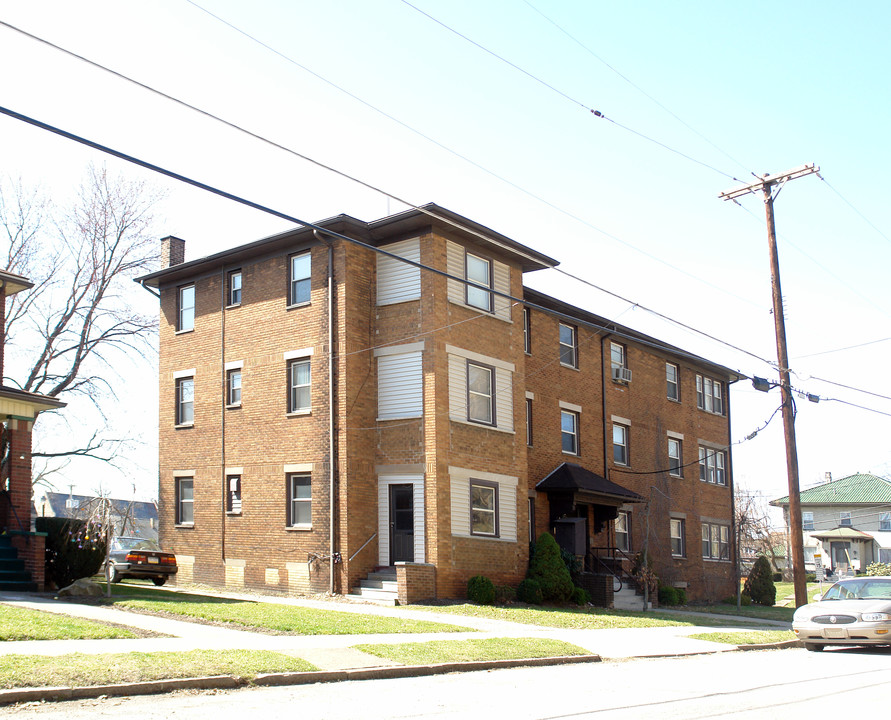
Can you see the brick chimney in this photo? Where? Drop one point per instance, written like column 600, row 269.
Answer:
column 173, row 251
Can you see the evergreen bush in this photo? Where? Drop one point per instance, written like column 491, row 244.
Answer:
column 74, row 549
column 548, row 568
column 759, row 585
column 668, row 595
column 580, row 596
column 505, row 594
column 529, row 592
column 481, row 590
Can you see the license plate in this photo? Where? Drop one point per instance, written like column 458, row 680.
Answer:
column 153, row 560
column 835, row 633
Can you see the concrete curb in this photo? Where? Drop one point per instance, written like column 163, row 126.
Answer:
column 229, row 682
column 772, row 646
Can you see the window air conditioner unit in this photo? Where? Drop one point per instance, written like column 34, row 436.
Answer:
column 621, row 374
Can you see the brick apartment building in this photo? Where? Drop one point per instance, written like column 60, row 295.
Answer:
column 458, row 416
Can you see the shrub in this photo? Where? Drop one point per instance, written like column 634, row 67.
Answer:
column 580, row 596
column 668, row 595
column 529, row 591
column 682, row 596
column 777, row 577
column 481, row 590
column 74, row 549
column 810, row 577
column 548, row 568
column 759, row 585
column 642, row 570
column 878, row 568
column 505, row 594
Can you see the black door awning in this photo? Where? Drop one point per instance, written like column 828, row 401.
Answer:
column 586, row 486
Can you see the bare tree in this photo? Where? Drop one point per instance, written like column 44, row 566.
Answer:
column 79, row 318
column 755, row 535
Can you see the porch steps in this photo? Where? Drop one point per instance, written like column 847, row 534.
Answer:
column 13, row 575
column 379, row 587
column 628, row 599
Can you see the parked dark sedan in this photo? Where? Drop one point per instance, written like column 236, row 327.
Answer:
column 135, row 557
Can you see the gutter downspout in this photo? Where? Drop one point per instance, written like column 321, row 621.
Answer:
column 223, row 415
column 332, row 453
column 603, row 339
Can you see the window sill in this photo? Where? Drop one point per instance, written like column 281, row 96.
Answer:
column 298, row 528
column 299, row 413
column 715, row 560
column 571, row 454
column 233, row 305
column 234, row 406
column 183, row 426
column 676, row 477
column 400, row 417
column 678, row 557
column 184, row 526
column 298, row 305
column 184, row 332
column 569, row 367
column 674, row 400
column 232, row 513
column 483, row 536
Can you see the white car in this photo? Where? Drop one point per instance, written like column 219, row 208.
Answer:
column 854, row 611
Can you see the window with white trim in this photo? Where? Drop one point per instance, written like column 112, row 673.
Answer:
column 299, row 386
column 675, row 458
column 235, row 287
column 620, row 444
column 715, row 541
column 569, row 347
column 185, row 401
column 527, row 330
column 529, row 422
column 807, row 521
column 711, row 466
column 569, row 431
column 885, row 555
column 299, row 279
column 844, row 518
column 478, row 272
column 185, row 500
column 709, row 395
column 185, row 308
column 299, row 491
column 885, row 521
column 480, row 393
column 623, row 531
column 672, row 382
column 483, row 508
column 617, row 357
column 233, row 388
column 233, row 494
column 678, row 533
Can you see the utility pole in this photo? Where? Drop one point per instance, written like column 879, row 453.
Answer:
column 770, row 186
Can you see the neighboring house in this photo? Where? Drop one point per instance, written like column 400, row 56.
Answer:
column 19, row 411
column 459, row 416
column 134, row 518
column 847, row 520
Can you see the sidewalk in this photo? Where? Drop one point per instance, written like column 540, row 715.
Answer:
column 334, row 653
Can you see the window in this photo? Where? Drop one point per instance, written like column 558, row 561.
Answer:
column 617, row 359
column 711, row 466
column 299, row 500
column 672, row 384
column 675, row 458
column 623, row 531
column 709, row 395
column 185, row 401
column 844, row 518
column 620, row 444
column 185, row 513
column 233, row 494
column 531, row 519
column 678, row 537
column 483, row 508
column 715, row 541
column 235, row 287
column 569, row 431
column 529, row 422
column 885, row 521
column 299, row 286
column 185, row 311
column 568, row 346
column 807, row 521
column 885, row 555
column 233, row 388
column 527, row 330
column 299, row 395
column 479, row 282
column 480, row 393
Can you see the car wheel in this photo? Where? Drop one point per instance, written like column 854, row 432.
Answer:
column 115, row 576
column 814, row 647
column 159, row 581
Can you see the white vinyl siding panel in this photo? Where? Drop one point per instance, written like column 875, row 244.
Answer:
column 400, row 386
column 501, row 278
column 397, row 281
column 460, row 502
column 504, row 394
column 455, row 268
column 383, row 515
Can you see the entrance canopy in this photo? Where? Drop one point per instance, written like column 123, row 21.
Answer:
column 843, row 533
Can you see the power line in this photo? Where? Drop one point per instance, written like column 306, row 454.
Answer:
column 842, row 349
column 850, row 205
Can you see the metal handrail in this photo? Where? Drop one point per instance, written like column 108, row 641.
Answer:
column 622, row 577
column 362, row 548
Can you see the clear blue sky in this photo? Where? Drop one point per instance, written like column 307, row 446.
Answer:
column 730, row 89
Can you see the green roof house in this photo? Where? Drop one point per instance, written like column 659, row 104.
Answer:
column 846, row 521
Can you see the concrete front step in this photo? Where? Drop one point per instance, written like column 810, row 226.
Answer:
column 628, row 599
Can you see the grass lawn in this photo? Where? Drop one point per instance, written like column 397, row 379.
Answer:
column 266, row 617
column 443, row 651
column 575, row 618
column 23, row 624
column 20, row 671
column 753, row 637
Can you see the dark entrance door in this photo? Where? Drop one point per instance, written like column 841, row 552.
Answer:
column 402, row 524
